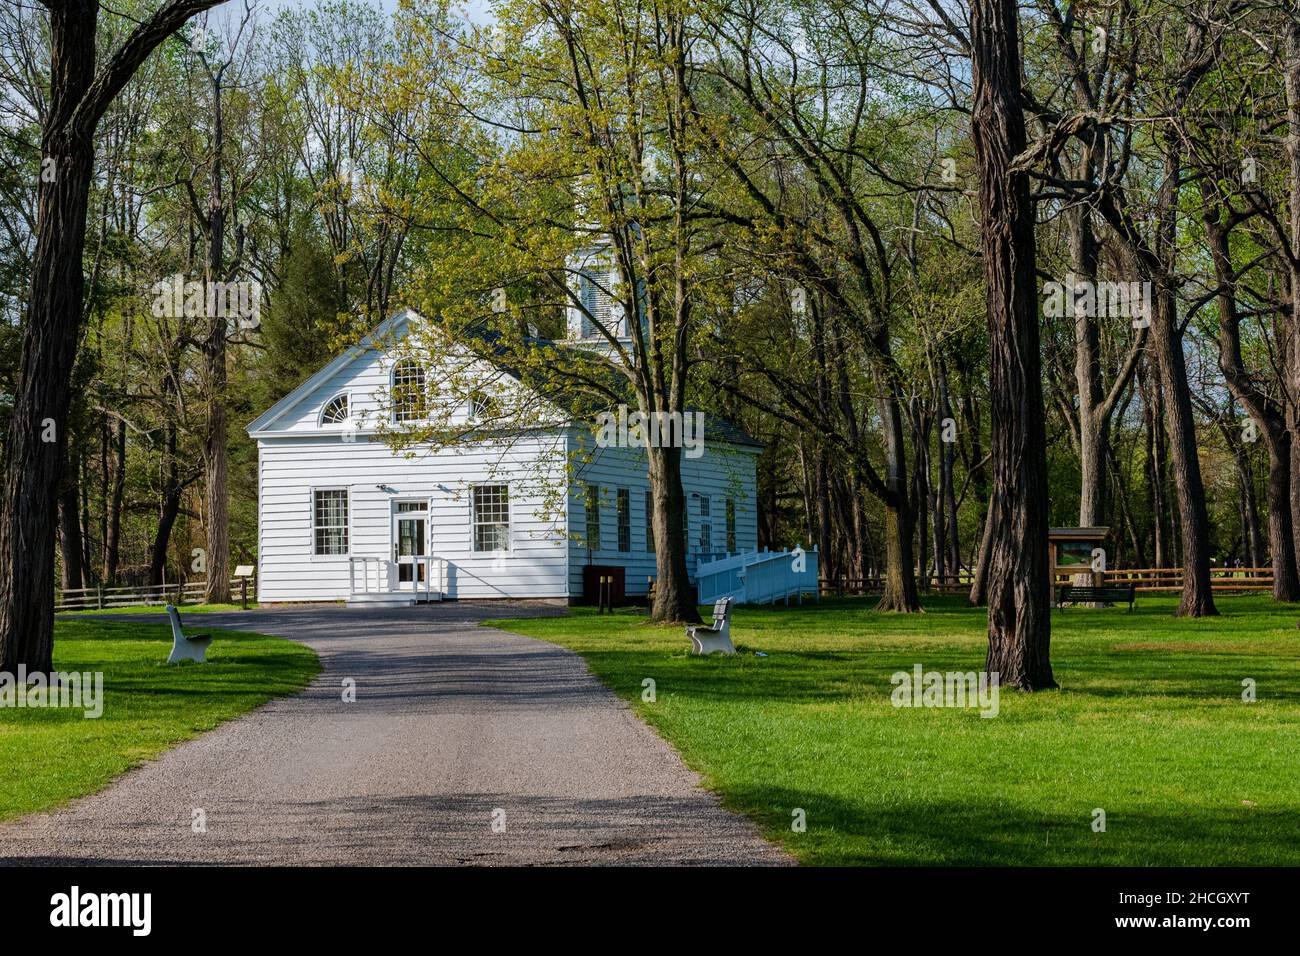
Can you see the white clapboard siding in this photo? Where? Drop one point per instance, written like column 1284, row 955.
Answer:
column 292, row 467
column 723, row 471
column 297, row 455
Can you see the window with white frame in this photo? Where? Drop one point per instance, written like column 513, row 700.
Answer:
column 409, row 400
column 624, row 520
column 649, row 521
column 335, row 411
column 330, row 521
column 591, row 503
column 490, row 506
column 706, row 526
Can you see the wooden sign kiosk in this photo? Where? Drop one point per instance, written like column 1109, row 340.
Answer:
column 1070, row 551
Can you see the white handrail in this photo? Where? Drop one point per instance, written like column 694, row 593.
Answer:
column 386, row 580
column 381, row 568
column 758, row 577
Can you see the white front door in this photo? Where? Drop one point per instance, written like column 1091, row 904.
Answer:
column 410, row 540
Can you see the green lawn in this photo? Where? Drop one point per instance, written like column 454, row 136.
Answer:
column 1149, row 726
column 162, row 609
column 49, row 755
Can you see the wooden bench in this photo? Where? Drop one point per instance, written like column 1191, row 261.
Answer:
column 715, row 639
column 1081, row 594
column 186, row 647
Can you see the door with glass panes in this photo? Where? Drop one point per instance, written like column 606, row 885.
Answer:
column 410, row 540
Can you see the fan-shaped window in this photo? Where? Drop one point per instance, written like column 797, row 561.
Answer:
column 482, row 406
column 408, row 391
column 335, row 411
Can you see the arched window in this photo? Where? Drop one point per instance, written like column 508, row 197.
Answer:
column 335, row 411
column 408, row 391
column 482, row 406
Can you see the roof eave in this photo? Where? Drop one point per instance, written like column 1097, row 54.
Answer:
column 260, row 426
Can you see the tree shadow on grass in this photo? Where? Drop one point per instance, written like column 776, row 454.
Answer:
column 928, row 832
column 816, row 677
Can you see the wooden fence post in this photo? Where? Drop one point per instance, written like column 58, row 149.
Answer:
column 99, row 596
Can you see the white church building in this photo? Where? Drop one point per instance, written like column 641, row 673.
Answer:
column 342, row 515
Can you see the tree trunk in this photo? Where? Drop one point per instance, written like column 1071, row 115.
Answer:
column 1292, row 142
column 1281, row 529
column 1019, row 622
column 898, row 587
column 1130, row 528
column 170, row 508
column 1153, row 406
column 979, row 588
column 1193, row 520
column 822, row 515
column 1252, row 543
column 35, row 471
column 674, row 601
column 947, row 489
column 938, row 526
column 113, row 505
column 899, row 590
column 77, row 100
column 920, row 491
column 1093, row 419
column 1268, row 415
column 1293, row 483
column 73, row 577
column 861, row 534
column 217, row 498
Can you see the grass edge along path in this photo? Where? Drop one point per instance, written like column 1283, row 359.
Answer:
column 50, row 756
column 1150, row 728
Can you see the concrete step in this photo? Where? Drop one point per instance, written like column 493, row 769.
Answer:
column 391, row 599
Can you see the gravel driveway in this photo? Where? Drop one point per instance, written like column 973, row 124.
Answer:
column 465, row 746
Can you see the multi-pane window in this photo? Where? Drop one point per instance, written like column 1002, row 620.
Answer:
column 491, row 511
column 335, row 411
column 731, row 525
column 597, row 303
column 649, row 521
column 706, row 525
column 330, row 521
column 624, row 520
column 592, row 503
column 408, row 391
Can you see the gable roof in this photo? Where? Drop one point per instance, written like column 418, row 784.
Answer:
column 380, row 332
column 715, row 428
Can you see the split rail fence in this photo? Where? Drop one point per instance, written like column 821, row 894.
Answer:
column 103, row 598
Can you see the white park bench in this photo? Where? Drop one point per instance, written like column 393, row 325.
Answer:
column 715, row 639
column 192, row 647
